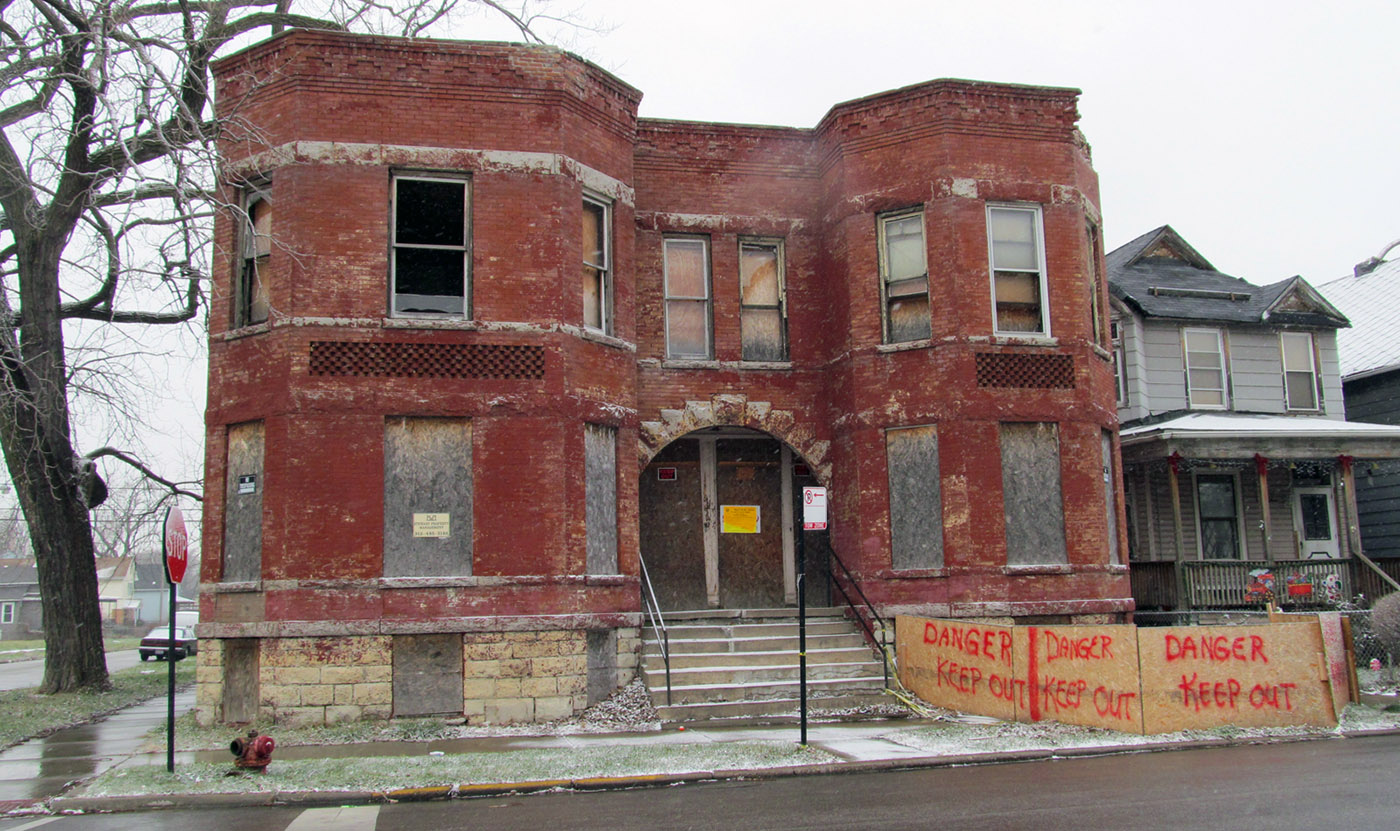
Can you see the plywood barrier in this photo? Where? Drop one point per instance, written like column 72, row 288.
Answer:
column 1149, row 680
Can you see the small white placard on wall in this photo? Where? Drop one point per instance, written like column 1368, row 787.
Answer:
column 432, row 525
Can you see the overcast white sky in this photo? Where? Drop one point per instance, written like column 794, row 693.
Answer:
column 1264, row 132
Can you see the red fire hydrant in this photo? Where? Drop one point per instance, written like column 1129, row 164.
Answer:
column 253, row 752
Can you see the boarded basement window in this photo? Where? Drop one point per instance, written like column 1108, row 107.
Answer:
column 243, row 503
column 916, row 510
column 427, row 675
column 602, row 664
column 600, row 473
column 1030, row 481
column 240, row 680
column 427, row 497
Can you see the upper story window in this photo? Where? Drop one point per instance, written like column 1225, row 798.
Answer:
column 429, row 273
column 1120, row 360
column 597, row 266
column 1096, row 286
column 250, row 300
column 1205, row 368
column 1018, row 272
column 904, row 277
column 1299, row 370
column 687, row 271
column 762, row 316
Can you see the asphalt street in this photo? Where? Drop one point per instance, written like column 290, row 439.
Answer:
column 29, row 673
column 1336, row 784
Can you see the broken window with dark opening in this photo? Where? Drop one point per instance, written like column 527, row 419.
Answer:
column 250, row 303
column 762, row 318
column 430, row 247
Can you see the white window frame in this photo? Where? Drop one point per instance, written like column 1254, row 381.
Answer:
column 1120, row 360
column 707, row 299
column 778, row 247
column 1040, row 270
column 465, row 247
column 605, row 269
column 1191, row 388
column 7, row 612
column 883, row 221
column 1311, row 371
column 1241, row 547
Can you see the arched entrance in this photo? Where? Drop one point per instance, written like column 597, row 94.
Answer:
column 719, row 515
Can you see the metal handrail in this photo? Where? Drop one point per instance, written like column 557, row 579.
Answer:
column 658, row 624
column 876, row 642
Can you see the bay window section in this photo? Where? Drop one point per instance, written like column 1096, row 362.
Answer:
column 904, row 277
column 1018, row 273
column 430, row 247
column 597, row 267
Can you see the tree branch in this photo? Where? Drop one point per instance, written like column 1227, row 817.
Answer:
column 173, row 487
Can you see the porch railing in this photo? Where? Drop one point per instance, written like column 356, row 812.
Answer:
column 870, row 621
column 1154, row 584
column 1224, row 584
column 658, row 624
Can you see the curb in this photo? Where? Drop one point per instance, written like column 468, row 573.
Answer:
column 309, row 799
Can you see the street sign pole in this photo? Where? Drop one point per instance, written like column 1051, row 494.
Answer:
column 813, row 519
column 174, row 545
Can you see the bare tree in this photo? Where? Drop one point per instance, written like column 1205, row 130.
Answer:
column 106, row 171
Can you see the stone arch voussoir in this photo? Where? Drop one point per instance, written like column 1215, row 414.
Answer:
column 735, row 410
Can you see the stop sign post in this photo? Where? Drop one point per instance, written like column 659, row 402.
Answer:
column 175, row 550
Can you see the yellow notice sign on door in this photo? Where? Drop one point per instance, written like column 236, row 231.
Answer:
column 432, row 525
column 738, row 519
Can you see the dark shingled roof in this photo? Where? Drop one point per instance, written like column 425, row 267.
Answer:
column 1160, row 275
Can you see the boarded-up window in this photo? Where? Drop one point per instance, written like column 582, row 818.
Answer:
column 602, row 664
column 763, row 328
column 916, row 510
column 687, row 297
column 600, row 473
column 1110, row 494
column 904, row 276
column 1030, row 482
column 427, row 675
column 427, row 497
column 243, row 503
column 240, row 680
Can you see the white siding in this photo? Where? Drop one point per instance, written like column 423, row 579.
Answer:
column 1326, row 342
column 1256, row 371
column 1161, row 362
column 1130, row 329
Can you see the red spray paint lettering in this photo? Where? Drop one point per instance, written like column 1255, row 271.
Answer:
column 962, row 678
column 1093, row 648
column 974, row 642
column 1218, row 648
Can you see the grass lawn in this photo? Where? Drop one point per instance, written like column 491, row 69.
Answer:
column 27, row 714
column 34, row 650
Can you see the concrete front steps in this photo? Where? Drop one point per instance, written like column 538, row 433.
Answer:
column 743, row 664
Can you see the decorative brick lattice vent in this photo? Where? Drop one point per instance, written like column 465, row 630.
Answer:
column 1011, row 369
column 426, row 360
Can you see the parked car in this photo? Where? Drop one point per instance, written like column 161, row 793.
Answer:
column 157, row 643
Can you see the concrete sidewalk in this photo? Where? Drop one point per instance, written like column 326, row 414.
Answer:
column 857, row 747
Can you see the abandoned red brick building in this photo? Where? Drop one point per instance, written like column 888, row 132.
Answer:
column 482, row 339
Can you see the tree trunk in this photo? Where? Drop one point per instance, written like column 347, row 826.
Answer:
column 34, row 434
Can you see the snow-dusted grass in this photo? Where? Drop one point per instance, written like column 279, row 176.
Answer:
column 426, row 771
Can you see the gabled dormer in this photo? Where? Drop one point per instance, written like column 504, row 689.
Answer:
column 1195, row 338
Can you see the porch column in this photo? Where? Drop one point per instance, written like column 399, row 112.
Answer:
column 1261, row 464
column 709, row 507
column 1173, row 469
column 789, row 547
column 1347, row 502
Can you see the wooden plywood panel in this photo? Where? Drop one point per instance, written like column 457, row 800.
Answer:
column 427, row 471
column 916, row 512
column 671, row 532
column 1084, row 675
column 751, row 565
column 600, row 473
column 243, row 502
column 1030, row 476
column 959, row 665
column 240, row 660
column 427, row 675
column 1197, row 677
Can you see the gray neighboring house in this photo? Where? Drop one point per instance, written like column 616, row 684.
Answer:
column 1237, row 459
column 21, row 615
column 1370, row 368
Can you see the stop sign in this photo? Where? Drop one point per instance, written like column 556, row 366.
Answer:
column 177, row 545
